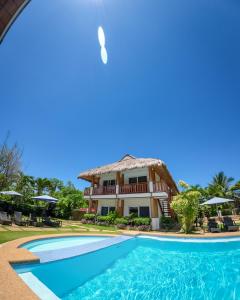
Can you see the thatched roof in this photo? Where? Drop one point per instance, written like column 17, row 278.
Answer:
column 9, row 10
column 129, row 162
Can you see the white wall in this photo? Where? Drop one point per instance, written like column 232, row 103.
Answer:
column 127, row 174
column 134, row 173
column 110, row 176
column 135, row 202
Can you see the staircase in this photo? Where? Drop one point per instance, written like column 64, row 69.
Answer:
column 164, row 205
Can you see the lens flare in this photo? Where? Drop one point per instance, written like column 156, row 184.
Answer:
column 104, row 55
column 101, row 36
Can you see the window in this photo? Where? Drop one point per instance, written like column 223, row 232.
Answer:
column 109, row 182
column 111, row 209
column 144, row 211
column 132, row 180
column 105, row 210
column 133, row 211
column 141, row 211
column 140, row 179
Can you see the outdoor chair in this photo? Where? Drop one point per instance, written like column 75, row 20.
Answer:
column 5, row 219
column 213, row 226
column 33, row 221
column 229, row 224
column 18, row 219
column 52, row 223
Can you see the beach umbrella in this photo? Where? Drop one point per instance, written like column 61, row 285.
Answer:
column 45, row 198
column 217, row 200
column 11, row 193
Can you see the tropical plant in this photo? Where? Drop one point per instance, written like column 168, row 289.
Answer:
column 220, row 186
column 185, row 205
column 70, row 198
column 141, row 221
column 167, row 222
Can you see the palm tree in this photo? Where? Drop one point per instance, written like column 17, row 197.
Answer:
column 220, row 185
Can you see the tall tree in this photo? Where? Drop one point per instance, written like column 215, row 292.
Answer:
column 10, row 164
column 220, row 185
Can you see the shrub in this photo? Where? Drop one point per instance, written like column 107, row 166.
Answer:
column 226, row 212
column 111, row 217
column 186, row 205
column 89, row 217
column 167, row 222
column 102, row 220
column 122, row 221
column 141, row 221
column 144, row 227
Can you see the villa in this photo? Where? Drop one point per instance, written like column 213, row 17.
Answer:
column 142, row 186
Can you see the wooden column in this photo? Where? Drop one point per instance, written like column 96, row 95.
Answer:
column 154, row 207
column 120, row 207
column 89, row 205
column 118, row 178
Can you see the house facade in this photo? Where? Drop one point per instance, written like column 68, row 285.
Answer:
column 142, row 186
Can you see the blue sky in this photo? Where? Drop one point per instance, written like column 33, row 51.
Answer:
column 171, row 88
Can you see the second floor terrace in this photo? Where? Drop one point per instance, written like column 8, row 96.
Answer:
column 132, row 188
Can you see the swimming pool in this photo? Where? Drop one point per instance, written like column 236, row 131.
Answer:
column 144, row 268
column 61, row 242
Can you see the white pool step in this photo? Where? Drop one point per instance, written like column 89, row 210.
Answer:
column 43, row 292
column 51, row 255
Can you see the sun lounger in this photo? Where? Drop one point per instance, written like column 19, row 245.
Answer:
column 33, row 221
column 230, row 224
column 18, row 219
column 213, row 226
column 5, row 219
column 52, row 223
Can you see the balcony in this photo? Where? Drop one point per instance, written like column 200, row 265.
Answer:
column 133, row 188
column 136, row 188
column 87, row 191
column 104, row 190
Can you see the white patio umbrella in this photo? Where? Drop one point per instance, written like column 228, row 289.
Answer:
column 216, row 200
column 45, row 198
column 11, row 193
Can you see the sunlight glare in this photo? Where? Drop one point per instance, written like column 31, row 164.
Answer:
column 104, row 55
column 101, row 36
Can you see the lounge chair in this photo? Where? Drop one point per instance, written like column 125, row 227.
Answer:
column 52, row 223
column 18, row 219
column 213, row 226
column 230, row 224
column 5, row 219
column 33, row 221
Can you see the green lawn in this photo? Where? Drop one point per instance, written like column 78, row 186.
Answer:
column 6, row 236
column 99, row 227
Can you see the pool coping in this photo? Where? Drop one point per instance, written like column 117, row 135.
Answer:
column 11, row 284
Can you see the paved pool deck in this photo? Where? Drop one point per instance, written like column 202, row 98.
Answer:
column 12, row 287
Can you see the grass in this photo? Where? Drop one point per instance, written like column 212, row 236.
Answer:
column 99, row 227
column 10, row 234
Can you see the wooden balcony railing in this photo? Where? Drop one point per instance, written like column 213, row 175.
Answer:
column 104, row 190
column 133, row 188
column 160, row 187
column 87, row 192
column 127, row 189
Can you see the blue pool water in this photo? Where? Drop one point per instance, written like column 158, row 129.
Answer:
column 59, row 243
column 146, row 269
